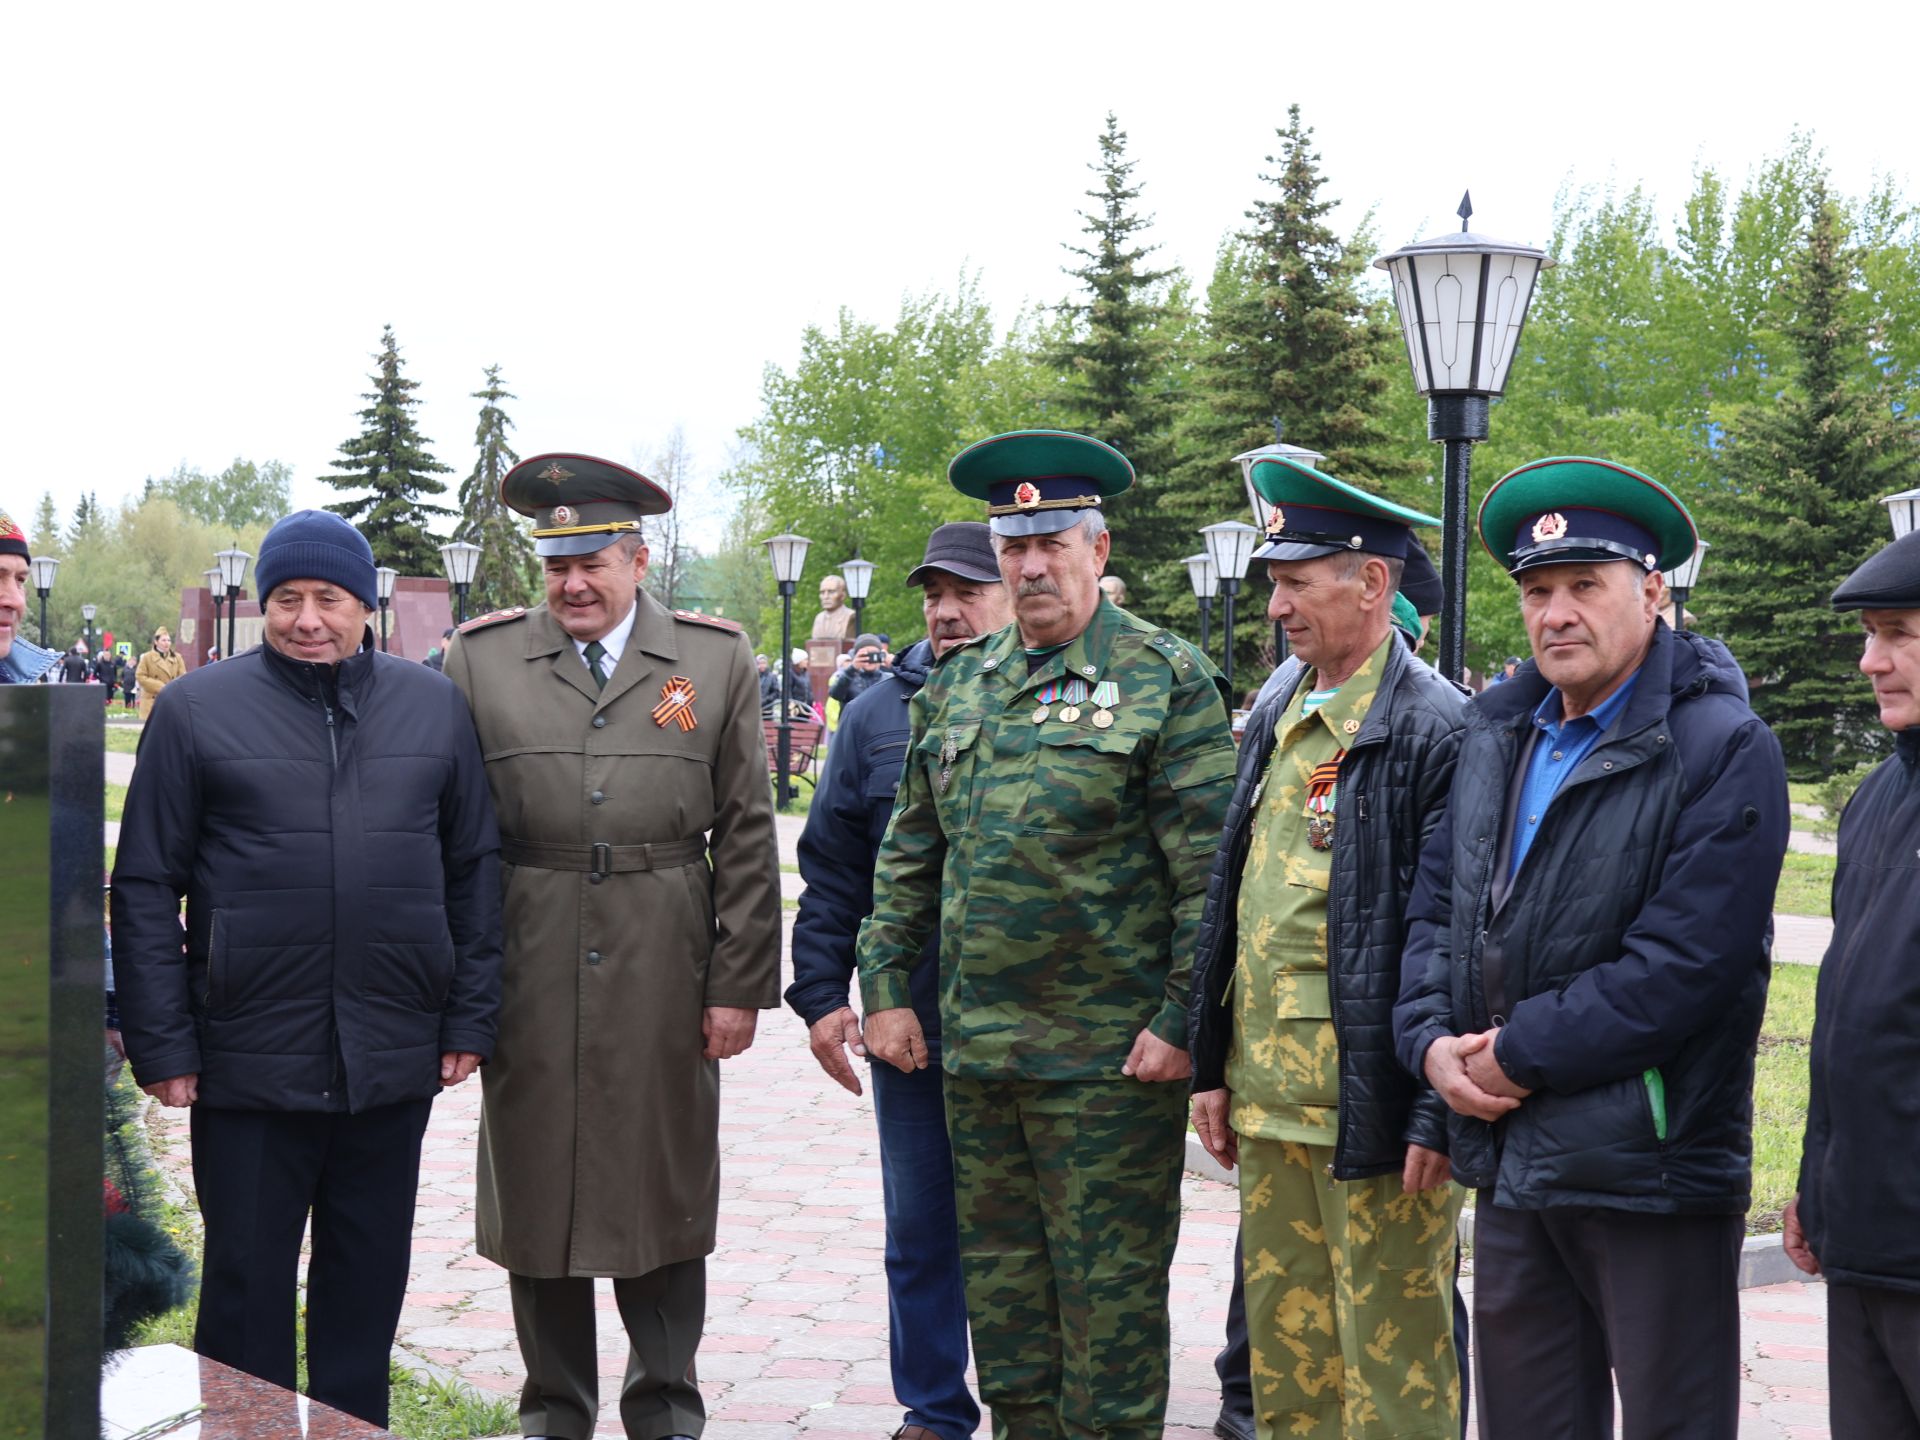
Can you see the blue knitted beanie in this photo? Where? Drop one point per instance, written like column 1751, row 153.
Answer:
column 316, row 545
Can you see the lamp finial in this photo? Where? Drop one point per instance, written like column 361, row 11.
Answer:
column 1466, row 209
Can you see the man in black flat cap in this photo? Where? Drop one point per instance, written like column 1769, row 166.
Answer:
column 963, row 599
column 642, row 924
column 1586, row 972
column 1856, row 1217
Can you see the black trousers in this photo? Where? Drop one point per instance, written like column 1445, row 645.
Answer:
column 1570, row 1302
column 1873, row 1363
column 259, row 1175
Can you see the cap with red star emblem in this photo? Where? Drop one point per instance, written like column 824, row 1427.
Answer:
column 1038, row 481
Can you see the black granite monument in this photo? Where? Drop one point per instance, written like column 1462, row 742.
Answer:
column 51, row 1037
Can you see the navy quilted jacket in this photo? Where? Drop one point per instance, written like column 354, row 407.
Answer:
column 1634, row 940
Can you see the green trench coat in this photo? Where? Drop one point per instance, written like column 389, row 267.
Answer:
column 599, row 1147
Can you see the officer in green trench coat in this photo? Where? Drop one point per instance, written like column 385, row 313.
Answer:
column 642, row 921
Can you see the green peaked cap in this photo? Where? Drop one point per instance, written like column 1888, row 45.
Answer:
column 1572, row 509
column 1315, row 514
column 1037, row 482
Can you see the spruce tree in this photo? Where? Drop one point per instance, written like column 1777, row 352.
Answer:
column 46, row 527
column 1116, row 359
column 507, row 565
column 1293, row 341
column 389, row 464
column 1804, row 471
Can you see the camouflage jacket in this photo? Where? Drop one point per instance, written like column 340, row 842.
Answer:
column 1062, row 863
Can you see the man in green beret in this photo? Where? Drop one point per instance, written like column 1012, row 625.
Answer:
column 1065, row 788
column 1587, row 970
column 1347, row 1216
column 1856, row 1217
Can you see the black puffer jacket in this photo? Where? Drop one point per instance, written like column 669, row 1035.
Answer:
column 841, row 843
column 1393, row 787
column 1860, row 1171
column 333, row 835
column 1634, row 943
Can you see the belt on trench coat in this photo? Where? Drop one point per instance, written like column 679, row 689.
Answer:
column 601, row 860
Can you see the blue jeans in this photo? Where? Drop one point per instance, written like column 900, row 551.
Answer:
column 926, row 1300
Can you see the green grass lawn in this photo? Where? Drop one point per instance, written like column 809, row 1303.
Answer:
column 116, row 801
column 1806, row 884
column 123, row 739
column 1780, row 1093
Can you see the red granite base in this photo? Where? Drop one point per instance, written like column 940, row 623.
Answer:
column 156, row 1384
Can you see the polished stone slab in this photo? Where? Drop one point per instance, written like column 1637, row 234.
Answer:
column 164, row 1392
column 52, row 942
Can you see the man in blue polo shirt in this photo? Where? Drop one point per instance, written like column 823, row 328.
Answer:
column 1587, row 969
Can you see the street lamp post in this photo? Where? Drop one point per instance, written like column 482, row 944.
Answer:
column 858, row 574
column 383, row 578
column 217, row 588
column 1230, row 546
column 1903, row 511
column 233, row 571
column 44, row 568
column 461, row 559
column 1206, row 585
column 1681, row 579
column 1279, row 450
column 87, row 612
column 788, row 554
column 1462, row 300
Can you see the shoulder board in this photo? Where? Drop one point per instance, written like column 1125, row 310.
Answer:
column 498, row 617
column 714, row 620
column 1175, row 651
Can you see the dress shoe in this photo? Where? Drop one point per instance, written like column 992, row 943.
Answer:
column 1233, row 1425
column 913, row 1432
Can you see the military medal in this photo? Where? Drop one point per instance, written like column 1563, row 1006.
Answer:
column 1320, row 795
column 1075, row 692
column 1106, row 695
column 1048, row 693
column 676, row 704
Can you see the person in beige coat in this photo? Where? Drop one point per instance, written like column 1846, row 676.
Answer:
column 158, row 668
column 642, row 927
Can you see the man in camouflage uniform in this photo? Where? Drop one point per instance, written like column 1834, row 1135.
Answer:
column 1347, row 1214
column 1063, row 795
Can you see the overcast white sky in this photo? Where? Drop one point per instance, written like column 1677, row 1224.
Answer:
column 634, row 208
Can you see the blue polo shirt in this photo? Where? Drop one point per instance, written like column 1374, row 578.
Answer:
column 1561, row 745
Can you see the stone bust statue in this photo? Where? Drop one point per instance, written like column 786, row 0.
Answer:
column 835, row 620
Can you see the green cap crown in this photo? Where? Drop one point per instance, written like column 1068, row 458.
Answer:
column 1571, row 508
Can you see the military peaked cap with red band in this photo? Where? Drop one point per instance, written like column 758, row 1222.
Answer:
column 13, row 540
column 1038, row 481
column 580, row 504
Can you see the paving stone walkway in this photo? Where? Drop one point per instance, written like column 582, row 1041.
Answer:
column 796, row 1342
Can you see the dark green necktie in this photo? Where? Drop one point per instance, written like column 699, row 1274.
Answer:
column 596, row 652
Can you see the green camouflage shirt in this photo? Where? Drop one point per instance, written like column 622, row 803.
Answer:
column 1062, row 863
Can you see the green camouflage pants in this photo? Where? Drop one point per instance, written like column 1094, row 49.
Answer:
column 1069, row 1200
column 1349, row 1299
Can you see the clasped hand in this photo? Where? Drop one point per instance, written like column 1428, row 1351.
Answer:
column 1463, row 1071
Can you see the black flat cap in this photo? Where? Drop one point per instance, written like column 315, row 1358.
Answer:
column 1888, row 581
column 1420, row 582
column 963, row 548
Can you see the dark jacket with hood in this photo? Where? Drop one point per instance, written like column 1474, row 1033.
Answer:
column 1860, row 1171
column 1393, row 789
column 1627, row 960
column 332, row 833
column 841, row 842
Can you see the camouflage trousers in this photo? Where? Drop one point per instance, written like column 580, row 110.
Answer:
column 1349, row 1299
column 1069, row 1205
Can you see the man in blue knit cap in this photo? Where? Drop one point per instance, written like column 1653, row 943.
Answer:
column 323, row 811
